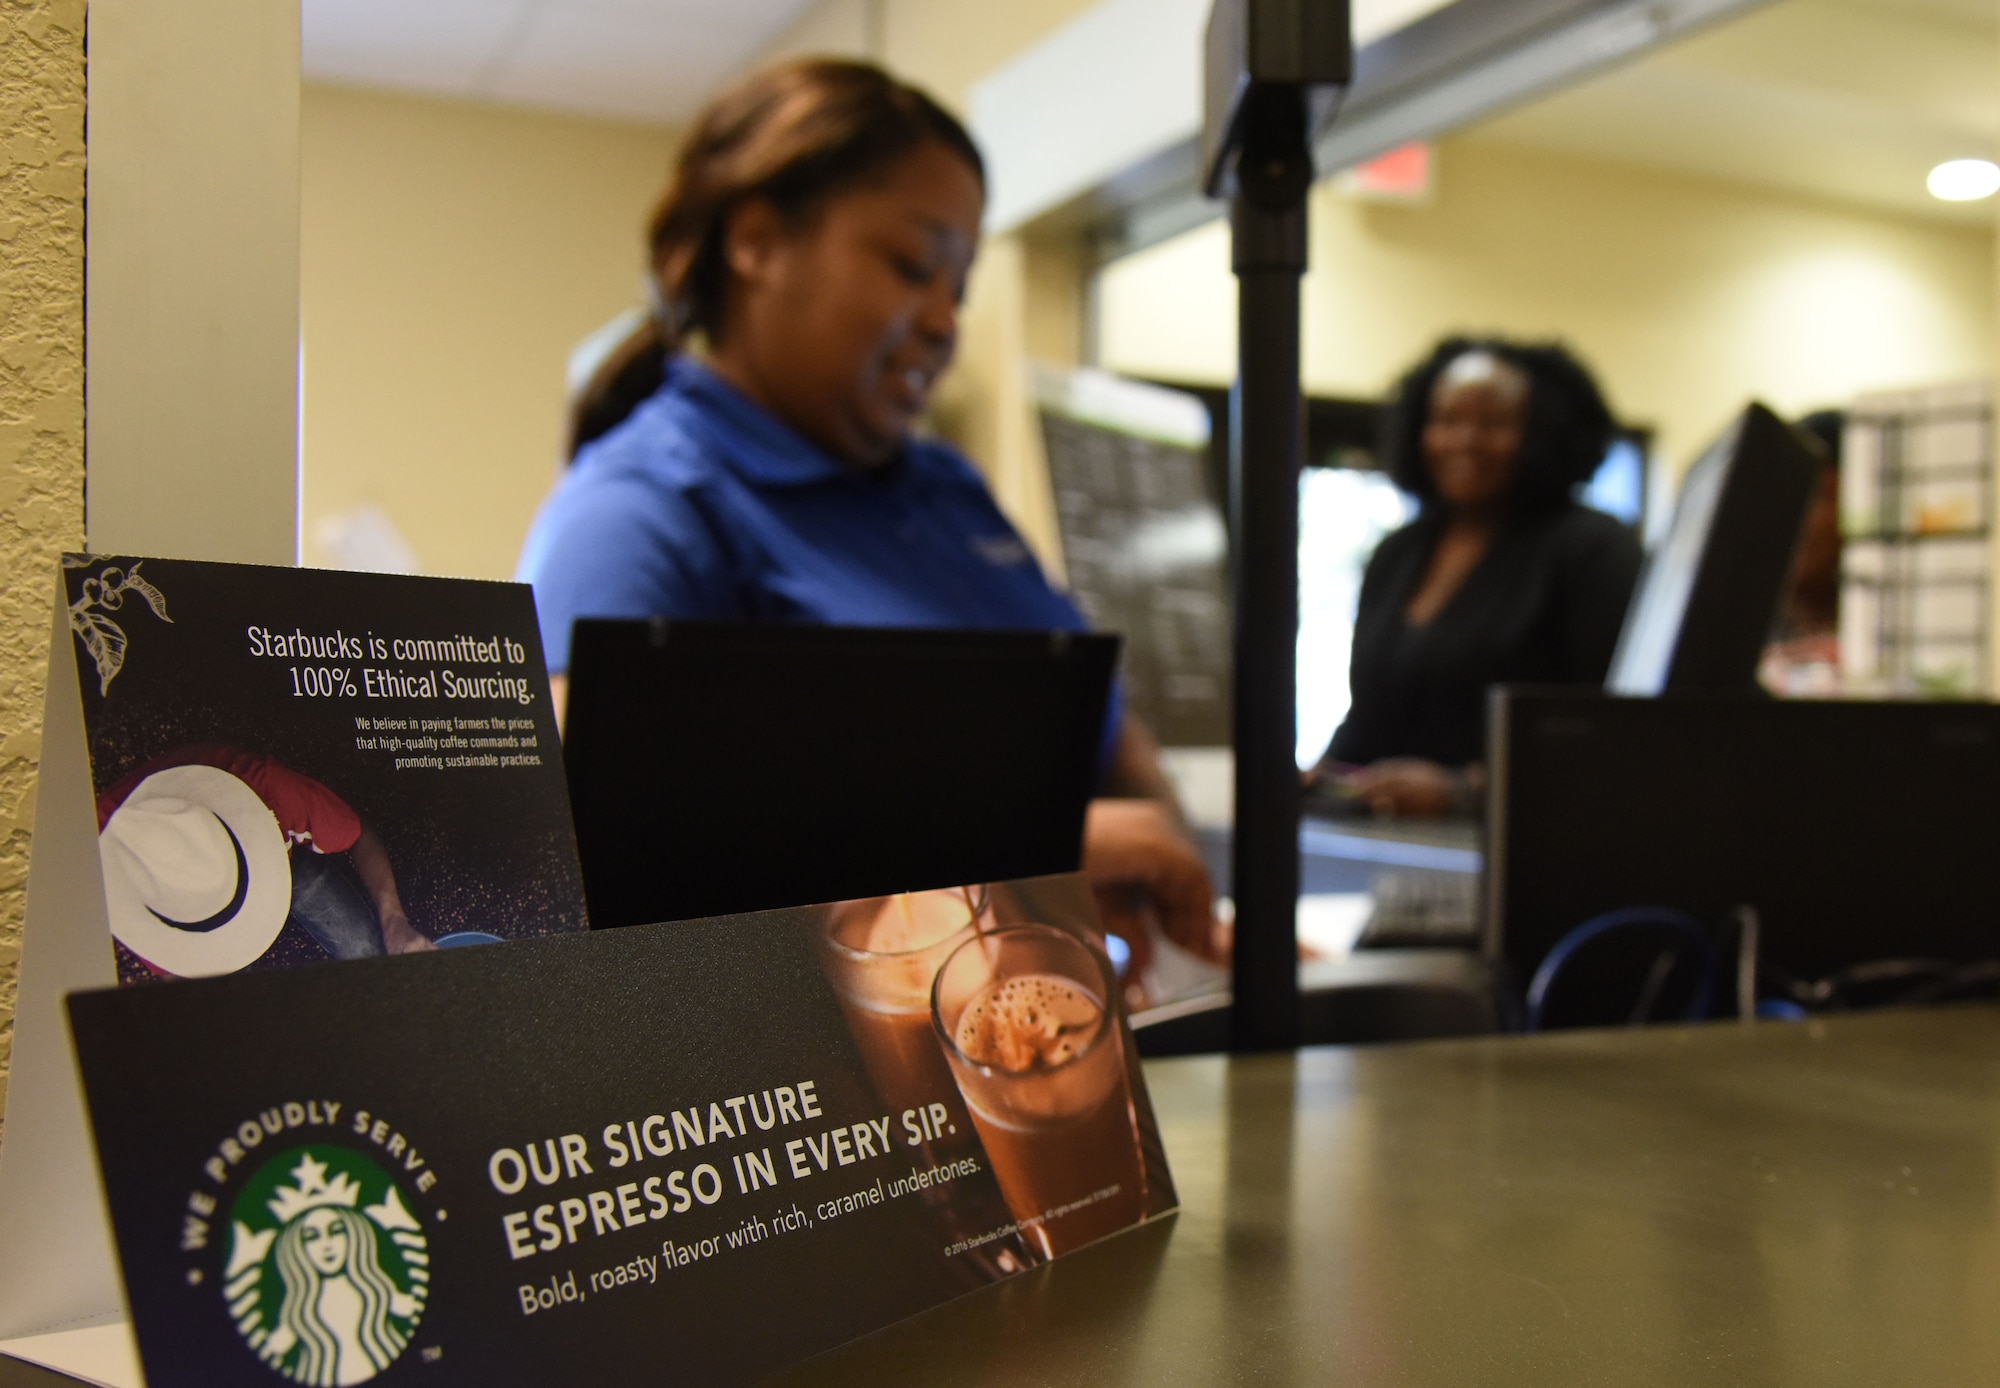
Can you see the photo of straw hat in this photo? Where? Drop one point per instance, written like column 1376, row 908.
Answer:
column 196, row 874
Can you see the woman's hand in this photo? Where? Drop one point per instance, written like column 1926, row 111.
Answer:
column 1140, row 863
column 1412, row 788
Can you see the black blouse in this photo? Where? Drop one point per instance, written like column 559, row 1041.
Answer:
column 1542, row 606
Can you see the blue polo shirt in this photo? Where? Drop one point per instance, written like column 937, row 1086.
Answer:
column 702, row 505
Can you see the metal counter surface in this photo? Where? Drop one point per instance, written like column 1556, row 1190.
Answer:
column 1781, row 1204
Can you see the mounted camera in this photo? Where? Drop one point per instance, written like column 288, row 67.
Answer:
column 1275, row 72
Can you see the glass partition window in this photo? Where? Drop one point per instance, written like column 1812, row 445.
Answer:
column 1343, row 515
column 1619, row 487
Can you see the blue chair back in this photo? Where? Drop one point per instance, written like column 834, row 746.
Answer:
column 1627, row 967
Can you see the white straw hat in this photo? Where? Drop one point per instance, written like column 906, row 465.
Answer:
column 195, row 872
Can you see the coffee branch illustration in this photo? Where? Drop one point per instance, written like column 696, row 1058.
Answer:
column 105, row 592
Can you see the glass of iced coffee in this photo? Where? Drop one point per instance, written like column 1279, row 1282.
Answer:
column 881, row 955
column 1025, row 1020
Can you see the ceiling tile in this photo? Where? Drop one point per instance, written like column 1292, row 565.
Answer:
column 766, row 16
column 437, row 46
column 651, row 60
column 654, row 63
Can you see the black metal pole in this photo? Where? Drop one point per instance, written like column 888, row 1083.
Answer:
column 1268, row 233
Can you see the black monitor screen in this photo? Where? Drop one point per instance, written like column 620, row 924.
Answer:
column 1710, row 591
column 716, row 769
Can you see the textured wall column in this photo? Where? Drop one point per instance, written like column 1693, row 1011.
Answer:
column 41, row 403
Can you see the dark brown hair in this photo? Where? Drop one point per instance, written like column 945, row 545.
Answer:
column 793, row 135
column 1568, row 428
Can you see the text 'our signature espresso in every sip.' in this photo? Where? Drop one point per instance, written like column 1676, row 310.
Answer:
column 571, row 1159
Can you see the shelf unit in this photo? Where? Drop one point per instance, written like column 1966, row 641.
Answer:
column 1916, row 565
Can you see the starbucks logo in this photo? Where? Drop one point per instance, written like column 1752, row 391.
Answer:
column 328, row 1271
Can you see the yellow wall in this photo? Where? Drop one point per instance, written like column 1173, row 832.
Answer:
column 451, row 255
column 1687, row 295
column 41, row 405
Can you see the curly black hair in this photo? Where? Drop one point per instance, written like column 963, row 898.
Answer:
column 1569, row 426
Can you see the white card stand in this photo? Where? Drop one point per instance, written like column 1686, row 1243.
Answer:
column 58, row 1272
column 105, row 1355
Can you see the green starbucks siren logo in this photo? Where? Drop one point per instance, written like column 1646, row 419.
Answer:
column 328, row 1271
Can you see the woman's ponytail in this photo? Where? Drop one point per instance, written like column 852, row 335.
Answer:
column 629, row 372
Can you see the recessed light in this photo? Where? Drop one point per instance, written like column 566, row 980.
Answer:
column 1965, row 180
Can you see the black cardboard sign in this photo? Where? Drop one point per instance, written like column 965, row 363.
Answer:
column 692, row 1152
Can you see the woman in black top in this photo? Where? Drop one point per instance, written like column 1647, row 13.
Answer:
column 1503, row 578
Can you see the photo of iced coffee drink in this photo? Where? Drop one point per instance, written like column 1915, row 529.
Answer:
column 881, row 955
column 1023, row 1018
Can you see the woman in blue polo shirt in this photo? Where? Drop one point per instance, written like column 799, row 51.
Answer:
column 746, row 454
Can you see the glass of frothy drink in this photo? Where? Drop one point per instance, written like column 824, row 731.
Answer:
column 1026, row 1023
column 881, row 956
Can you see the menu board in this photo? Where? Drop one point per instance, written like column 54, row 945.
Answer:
column 1146, row 551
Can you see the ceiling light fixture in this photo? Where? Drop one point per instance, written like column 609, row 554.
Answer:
column 1965, row 180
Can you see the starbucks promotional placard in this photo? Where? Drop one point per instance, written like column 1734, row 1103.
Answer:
column 692, row 1153
column 247, row 768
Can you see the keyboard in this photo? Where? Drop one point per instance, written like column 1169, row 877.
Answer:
column 1422, row 908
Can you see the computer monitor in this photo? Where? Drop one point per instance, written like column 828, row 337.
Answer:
column 720, row 768
column 1710, row 590
column 1857, row 831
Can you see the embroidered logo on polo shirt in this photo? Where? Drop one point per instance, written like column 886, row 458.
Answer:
column 1001, row 551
